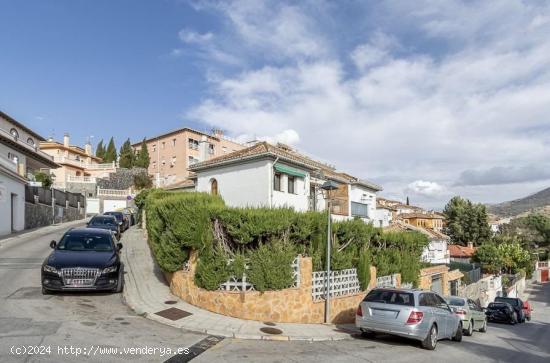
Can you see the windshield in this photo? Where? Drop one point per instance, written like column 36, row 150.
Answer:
column 85, row 242
column 390, row 297
column 455, row 302
column 102, row 221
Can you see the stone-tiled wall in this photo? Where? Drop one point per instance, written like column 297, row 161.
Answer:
column 40, row 215
column 122, row 179
column 294, row 305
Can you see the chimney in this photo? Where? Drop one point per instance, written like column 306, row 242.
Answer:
column 203, row 148
column 66, row 139
column 470, row 244
column 88, row 149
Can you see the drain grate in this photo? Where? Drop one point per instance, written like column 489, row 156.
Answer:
column 273, row 331
column 171, row 302
column 173, row 314
column 269, row 323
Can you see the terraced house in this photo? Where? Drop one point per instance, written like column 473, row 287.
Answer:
column 266, row 175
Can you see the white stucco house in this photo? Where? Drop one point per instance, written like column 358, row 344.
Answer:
column 20, row 158
column 265, row 175
column 384, row 216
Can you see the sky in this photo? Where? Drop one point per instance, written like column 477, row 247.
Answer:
column 428, row 99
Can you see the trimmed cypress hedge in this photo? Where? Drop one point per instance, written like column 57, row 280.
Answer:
column 267, row 240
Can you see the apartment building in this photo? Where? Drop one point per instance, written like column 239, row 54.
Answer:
column 20, row 159
column 77, row 165
column 173, row 152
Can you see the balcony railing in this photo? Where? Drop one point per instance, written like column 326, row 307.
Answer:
column 83, row 164
column 113, row 192
column 81, row 179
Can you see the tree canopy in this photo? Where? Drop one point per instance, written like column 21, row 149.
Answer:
column 466, row 222
column 127, row 157
column 100, row 150
column 142, row 159
column 110, row 153
column 504, row 254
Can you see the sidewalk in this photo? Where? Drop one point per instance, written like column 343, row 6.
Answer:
column 40, row 231
column 146, row 292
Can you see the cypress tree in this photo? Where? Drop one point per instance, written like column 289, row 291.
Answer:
column 110, row 153
column 100, row 150
column 143, row 160
column 127, row 157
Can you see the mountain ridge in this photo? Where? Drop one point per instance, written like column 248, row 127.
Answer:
column 530, row 204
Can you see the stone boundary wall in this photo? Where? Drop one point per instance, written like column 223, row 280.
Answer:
column 40, row 215
column 294, row 305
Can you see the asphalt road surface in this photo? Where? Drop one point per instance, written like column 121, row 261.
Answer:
column 70, row 327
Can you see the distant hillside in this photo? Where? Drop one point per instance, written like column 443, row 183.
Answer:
column 538, row 202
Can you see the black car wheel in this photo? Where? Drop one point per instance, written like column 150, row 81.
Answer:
column 369, row 334
column 458, row 334
column 46, row 291
column 431, row 339
column 484, row 327
column 120, row 283
column 514, row 319
column 468, row 332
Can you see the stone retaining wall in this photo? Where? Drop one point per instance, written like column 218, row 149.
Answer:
column 40, row 215
column 294, row 305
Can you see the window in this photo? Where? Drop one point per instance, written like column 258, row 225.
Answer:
column 30, row 141
column 173, row 163
column 277, row 182
column 291, row 184
column 154, row 147
column 193, row 144
column 390, row 297
column 163, row 145
column 440, row 303
column 173, row 142
column 211, row 149
column 359, row 210
column 14, row 133
column 213, row 186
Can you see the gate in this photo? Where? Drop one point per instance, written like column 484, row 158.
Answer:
column 437, row 286
column 92, row 206
column 544, row 275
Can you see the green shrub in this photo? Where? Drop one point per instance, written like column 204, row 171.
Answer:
column 212, row 270
column 270, row 266
column 363, row 268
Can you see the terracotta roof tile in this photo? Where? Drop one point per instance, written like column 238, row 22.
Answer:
column 461, row 251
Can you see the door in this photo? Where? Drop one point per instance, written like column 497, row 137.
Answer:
column 312, row 198
column 477, row 313
column 544, row 275
column 445, row 316
column 13, row 206
column 437, row 286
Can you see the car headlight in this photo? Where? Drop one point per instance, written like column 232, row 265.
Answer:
column 110, row 269
column 48, row 268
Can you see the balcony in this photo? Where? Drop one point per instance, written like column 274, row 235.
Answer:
column 84, row 165
column 9, row 164
column 81, row 179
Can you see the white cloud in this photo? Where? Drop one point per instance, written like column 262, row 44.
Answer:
column 479, row 101
column 189, row 36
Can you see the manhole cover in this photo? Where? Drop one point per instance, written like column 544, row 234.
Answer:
column 173, row 314
column 273, row 331
column 268, row 323
column 170, row 302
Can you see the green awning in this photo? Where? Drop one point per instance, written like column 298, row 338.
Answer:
column 288, row 170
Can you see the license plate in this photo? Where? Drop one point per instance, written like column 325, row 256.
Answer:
column 384, row 313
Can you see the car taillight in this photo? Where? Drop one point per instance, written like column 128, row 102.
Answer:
column 460, row 312
column 359, row 311
column 415, row 317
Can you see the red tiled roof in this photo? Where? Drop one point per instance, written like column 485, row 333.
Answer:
column 420, row 215
column 461, row 251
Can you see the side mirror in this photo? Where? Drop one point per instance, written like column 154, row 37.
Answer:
column 119, row 246
column 53, row 244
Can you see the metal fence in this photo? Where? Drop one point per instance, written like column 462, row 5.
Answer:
column 235, row 283
column 474, row 275
column 342, row 283
column 44, row 196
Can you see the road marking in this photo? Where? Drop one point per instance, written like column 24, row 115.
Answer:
column 196, row 349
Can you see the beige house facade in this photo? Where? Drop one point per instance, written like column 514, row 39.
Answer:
column 172, row 153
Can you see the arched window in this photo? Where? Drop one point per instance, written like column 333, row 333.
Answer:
column 213, row 186
column 30, row 141
column 14, row 133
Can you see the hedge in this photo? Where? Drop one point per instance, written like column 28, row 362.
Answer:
column 268, row 240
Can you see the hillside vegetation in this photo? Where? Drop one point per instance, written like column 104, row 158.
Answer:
column 535, row 203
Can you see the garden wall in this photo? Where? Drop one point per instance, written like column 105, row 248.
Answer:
column 294, row 305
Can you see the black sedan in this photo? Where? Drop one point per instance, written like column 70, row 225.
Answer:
column 516, row 304
column 105, row 222
column 84, row 259
column 122, row 220
column 501, row 312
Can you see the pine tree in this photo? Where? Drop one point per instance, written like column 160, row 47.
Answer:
column 143, row 160
column 127, row 157
column 408, row 200
column 110, row 153
column 100, row 150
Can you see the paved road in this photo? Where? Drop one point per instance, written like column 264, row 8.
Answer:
column 65, row 320
column 523, row 343
column 85, row 320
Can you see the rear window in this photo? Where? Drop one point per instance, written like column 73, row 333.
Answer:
column 110, row 221
column 497, row 306
column 390, row 297
column 455, row 302
column 513, row 302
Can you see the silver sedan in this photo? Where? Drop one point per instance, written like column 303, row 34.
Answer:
column 414, row 314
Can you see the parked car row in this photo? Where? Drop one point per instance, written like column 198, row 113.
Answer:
column 427, row 317
column 116, row 221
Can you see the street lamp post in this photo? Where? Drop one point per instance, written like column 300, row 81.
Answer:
column 328, row 186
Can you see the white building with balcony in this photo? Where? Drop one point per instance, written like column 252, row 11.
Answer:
column 265, row 175
column 20, row 159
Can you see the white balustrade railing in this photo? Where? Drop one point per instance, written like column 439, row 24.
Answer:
column 81, row 179
column 342, row 283
column 386, row 281
column 113, row 192
column 84, row 164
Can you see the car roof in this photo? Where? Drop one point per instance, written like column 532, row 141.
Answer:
column 113, row 212
column 104, row 216
column 82, row 230
column 398, row 289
